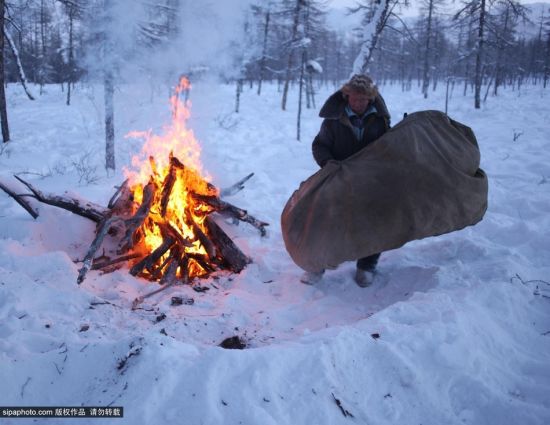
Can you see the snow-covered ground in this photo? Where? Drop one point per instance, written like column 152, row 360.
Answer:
column 456, row 330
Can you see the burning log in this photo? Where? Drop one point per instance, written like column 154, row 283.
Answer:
column 149, row 261
column 122, row 193
column 230, row 253
column 132, row 224
column 225, row 208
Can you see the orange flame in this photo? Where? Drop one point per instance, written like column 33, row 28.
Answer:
column 159, row 163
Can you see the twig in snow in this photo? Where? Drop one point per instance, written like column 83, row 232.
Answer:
column 134, row 351
column 525, row 282
column 345, row 412
column 24, row 385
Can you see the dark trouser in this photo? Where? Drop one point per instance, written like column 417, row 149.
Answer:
column 368, row 263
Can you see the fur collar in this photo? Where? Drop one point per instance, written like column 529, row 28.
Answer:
column 335, row 106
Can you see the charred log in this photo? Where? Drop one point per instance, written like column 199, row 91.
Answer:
column 132, row 224
column 168, row 183
column 230, row 255
column 149, row 261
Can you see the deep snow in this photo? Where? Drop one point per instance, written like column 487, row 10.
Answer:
column 463, row 319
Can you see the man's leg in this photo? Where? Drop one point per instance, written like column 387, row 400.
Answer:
column 368, row 263
column 364, row 274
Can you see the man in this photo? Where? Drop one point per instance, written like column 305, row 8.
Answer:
column 354, row 117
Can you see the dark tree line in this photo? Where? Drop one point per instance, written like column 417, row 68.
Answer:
column 287, row 41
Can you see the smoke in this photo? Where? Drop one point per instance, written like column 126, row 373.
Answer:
column 207, row 37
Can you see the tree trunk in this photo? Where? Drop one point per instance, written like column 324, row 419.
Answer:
column 297, row 11
column 500, row 50
column 371, row 35
column 71, row 53
column 3, row 107
column 264, row 52
column 479, row 55
column 298, row 123
column 109, row 91
column 426, row 78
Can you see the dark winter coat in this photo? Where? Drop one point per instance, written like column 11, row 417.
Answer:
column 336, row 139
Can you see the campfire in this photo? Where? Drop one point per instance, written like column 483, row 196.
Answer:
column 161, row 217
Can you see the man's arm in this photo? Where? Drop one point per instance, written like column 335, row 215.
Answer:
column 322, row 145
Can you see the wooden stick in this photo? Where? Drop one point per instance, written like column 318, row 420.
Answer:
column 107, row 263
column 137, row 301
column 184, row 280
column 231, row 190
column 87, row 209
column 19, row 200
column 172, row 231
column 87, row 262
column 168, row 183
column 205, row 241
column 170, row 274
column 232, row 256
column 202, row 261
column 133, row 223
column 227, row 209
column 115, row 197
column 151, row 259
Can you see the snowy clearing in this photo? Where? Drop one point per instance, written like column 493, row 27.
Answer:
column 456, row 329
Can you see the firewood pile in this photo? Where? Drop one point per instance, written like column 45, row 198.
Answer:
column 185, row 243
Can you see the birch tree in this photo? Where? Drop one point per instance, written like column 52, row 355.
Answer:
column 3, row 107
column 376, row 15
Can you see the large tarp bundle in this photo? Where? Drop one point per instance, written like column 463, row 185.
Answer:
column 420, row 179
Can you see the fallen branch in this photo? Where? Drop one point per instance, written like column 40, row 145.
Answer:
column 101, row 233
column 19, row 200
column 237, row 187
column 89, row 210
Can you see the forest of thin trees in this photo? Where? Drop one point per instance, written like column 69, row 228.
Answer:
column 479, row 45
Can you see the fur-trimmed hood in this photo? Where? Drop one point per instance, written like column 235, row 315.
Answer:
column 336, row 103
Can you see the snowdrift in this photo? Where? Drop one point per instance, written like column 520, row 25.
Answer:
column 422, row 178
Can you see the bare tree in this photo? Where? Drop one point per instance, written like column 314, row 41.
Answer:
column 376, row 15
column 263, row 58
column 3, row 107
column 292, row 44
column 430, row 6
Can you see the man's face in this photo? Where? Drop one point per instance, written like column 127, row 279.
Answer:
column 358, row 102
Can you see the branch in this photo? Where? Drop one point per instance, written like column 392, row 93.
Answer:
column 19, row 200
column 231, row 190
column 88, row 210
